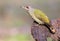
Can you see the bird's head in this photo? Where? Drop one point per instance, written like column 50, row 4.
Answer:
column 27, row 8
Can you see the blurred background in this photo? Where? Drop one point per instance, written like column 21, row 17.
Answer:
column 15, row 23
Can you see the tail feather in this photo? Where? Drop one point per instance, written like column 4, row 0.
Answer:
column 49, row 27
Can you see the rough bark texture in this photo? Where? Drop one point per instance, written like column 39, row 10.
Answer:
column 40, row 32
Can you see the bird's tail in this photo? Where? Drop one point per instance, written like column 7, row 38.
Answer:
column 50, row 28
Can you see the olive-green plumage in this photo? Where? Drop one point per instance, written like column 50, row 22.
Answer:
column 41, row 16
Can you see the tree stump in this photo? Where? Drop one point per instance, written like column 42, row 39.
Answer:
column 40, row 32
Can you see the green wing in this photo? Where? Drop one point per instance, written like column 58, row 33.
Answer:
column 41, row 16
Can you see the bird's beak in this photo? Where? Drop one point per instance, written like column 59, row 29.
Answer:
column 23, row 7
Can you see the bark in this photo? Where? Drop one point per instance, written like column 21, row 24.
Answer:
column 40, row 32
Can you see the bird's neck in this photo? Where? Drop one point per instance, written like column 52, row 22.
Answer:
column 31, row 11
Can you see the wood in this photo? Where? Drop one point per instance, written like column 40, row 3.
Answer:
column 40, row 32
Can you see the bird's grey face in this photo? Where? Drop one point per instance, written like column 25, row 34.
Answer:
column 26, row 8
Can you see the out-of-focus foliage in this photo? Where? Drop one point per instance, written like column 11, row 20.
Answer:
column 19, row 37
column 49, row 39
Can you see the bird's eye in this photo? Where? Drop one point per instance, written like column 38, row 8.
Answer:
column 27, row 7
